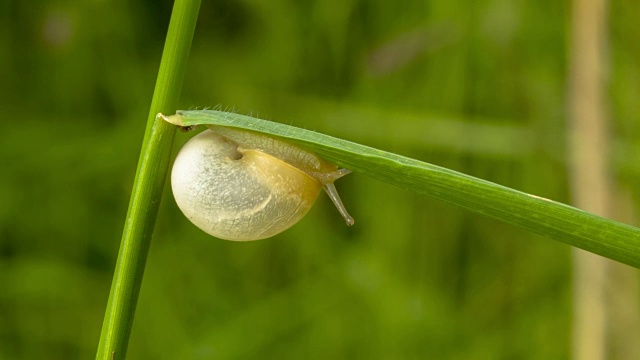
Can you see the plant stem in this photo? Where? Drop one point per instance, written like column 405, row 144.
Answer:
column 589, row 176
column 148, row 184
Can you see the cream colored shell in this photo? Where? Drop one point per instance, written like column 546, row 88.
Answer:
column 242, row 186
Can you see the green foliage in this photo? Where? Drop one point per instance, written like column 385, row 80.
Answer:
column 476, row 88
column 602, row 236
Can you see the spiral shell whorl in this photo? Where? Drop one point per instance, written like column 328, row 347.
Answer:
column 239, row 194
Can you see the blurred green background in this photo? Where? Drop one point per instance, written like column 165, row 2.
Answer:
column 477, row 86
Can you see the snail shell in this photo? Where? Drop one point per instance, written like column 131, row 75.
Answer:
column 239, row 185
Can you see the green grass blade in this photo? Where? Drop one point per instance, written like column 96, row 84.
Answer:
column 561, row 222
column 148, row 185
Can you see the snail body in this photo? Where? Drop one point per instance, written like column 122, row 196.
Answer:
column 242, row 186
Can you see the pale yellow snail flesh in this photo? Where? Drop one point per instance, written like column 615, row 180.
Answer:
column 242, row 186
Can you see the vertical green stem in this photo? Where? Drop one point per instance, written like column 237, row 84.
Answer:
column 148, row 185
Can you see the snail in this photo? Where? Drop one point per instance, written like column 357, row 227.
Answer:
column 242, row 186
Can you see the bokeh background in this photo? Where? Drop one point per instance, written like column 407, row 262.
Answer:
column 477, row 86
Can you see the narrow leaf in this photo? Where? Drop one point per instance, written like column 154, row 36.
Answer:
column 561, row 222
